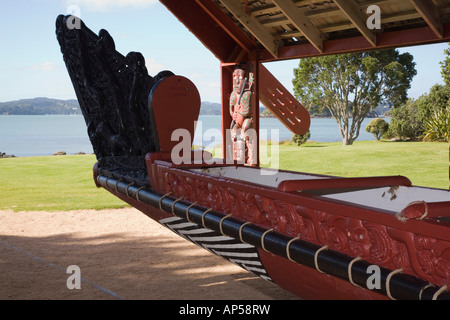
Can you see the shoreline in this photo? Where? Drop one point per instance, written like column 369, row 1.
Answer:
column 81, row 153
column 45, row 135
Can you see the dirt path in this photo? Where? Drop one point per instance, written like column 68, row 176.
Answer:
column 122, row 254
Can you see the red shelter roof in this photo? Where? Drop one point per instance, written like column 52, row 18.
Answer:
column 269, row 30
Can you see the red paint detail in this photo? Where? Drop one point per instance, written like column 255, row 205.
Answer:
column 175, row 102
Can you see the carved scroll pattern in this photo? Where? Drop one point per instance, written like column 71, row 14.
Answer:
column 113, row 92
column 418, row 255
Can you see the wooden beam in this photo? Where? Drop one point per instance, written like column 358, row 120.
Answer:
column 353, row 12
column 430, row 14
column 301, row 22
column 282, row 103
column 203, row 26
column 236, row 7
column 322, row 13
column 385, row 40
column 226, row 23
column 407, row 15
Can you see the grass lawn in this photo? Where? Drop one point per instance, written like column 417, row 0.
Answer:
column 55, row 183
column 52, row 183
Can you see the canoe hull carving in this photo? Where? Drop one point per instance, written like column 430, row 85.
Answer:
column 320, row 237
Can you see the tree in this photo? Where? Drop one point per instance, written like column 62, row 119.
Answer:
column 438, row 98
column 351, row 85
column 445, row 67
column 377, row 127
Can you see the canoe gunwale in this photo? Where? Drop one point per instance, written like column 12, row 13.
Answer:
column 294, row 250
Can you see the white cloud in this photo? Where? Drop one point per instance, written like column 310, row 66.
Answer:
column 45, row 66
column 104, row 5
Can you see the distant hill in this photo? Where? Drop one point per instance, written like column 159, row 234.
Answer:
column 210, row 109
column 47, row 106
column 214, row 109
column 40, row 106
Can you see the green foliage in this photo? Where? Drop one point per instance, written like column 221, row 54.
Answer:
column 410, row 120
column 350, row 86
column 300, row 139
column 438, row 127
column 445, row 67
column 378, row 127
column 438, row 98
column 406, row 122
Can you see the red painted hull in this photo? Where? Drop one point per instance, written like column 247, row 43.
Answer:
column 417, row 248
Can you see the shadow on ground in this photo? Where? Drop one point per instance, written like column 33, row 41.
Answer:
column 120, row 256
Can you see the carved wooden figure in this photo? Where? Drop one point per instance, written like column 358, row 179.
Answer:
column 242, row 132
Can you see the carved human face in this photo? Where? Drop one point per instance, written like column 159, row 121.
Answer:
column 238, row 80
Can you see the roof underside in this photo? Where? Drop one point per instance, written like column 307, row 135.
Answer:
column 269, row 30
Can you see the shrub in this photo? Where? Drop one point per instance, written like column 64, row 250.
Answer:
column 300, row 139
column 438, row 127
column 407, row 121
column 378, row 127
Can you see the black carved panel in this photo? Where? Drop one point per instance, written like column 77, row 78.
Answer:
column 113, row 92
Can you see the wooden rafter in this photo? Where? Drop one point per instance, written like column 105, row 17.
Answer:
column 430, row 14
column 270, row 8
column 301, row 22
column 385, row 40
column 236, row 7
column 227, row 24
column 406, row 15
column 234, row 35
column 353, row 12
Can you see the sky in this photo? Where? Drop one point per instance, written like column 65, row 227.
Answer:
column 31, row 63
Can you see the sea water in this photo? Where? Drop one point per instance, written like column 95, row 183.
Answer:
column 44, row 135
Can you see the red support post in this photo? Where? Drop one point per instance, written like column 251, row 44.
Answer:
column 226, row 74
